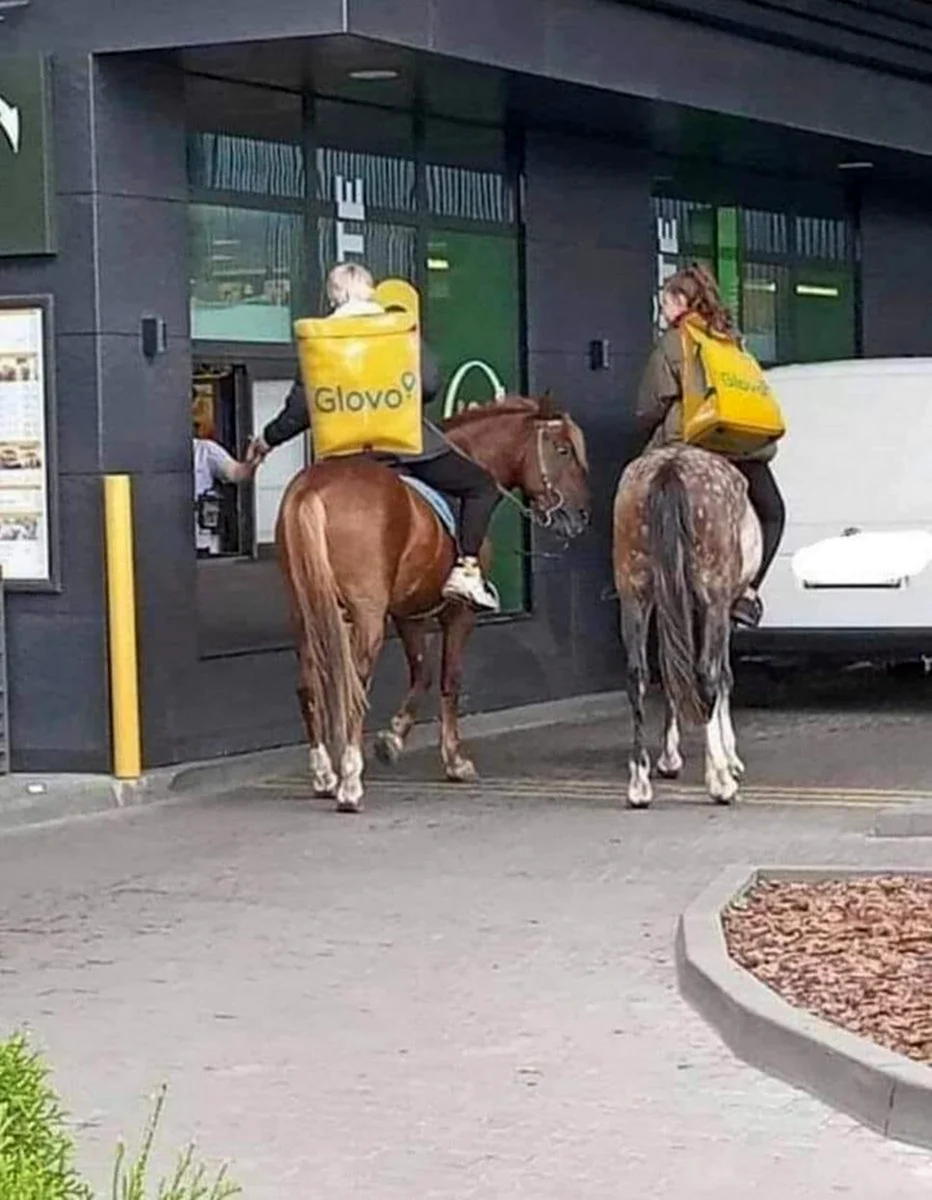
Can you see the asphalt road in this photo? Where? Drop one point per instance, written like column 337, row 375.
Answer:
column 455, row 994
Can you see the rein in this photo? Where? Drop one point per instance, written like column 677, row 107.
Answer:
column 554, row 498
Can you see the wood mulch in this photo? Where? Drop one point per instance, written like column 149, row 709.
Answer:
column 857, row 952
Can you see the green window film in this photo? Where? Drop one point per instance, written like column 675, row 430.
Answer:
column 822, row 313
column 727, row 257
column 789, row 278
column 244, row 266
column 471, row 316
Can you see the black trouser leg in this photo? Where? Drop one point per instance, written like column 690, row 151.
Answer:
column 767, row 502
column 466, row 481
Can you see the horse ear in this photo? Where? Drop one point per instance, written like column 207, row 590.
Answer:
column 546, row 409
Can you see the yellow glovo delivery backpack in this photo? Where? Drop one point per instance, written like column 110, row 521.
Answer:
column 362, row 376
column 737, row 414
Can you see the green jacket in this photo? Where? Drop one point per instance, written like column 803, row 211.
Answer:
column 659, row 405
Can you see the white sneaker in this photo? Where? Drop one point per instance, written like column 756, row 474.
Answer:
column 466, row 582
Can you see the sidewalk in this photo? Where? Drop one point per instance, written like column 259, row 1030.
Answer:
column 37, row 799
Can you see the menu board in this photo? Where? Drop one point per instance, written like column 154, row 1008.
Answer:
column 24, row 483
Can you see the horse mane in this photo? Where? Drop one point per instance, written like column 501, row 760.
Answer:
column 523, row 406
column 508, row 405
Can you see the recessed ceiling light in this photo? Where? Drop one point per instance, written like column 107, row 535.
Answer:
column 858, row 164
column 373, row 74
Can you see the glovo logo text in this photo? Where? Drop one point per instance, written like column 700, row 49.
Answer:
column 337, row 400
column 744, row 385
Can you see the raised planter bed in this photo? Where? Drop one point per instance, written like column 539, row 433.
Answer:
column 884, row 1089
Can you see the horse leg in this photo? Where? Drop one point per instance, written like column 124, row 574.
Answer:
column 670, row 762
column 635, row 621
column 458, row 621
column 713, row 678
column 390, row 742
column 368, row 635
column 729, row 741
column 323, row 777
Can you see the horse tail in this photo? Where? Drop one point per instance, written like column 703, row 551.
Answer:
column 336, row 696
column 670, row 543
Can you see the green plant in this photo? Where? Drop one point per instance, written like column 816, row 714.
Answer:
column 189, row 1181
column 36, row 1150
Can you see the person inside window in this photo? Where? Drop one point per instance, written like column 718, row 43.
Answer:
column 693, row 291
column 213, row 465
column 351, row 291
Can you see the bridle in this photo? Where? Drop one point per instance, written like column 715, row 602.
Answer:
column 540, row 515
column 554, row 501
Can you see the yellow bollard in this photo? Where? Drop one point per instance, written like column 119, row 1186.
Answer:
column 121, row 622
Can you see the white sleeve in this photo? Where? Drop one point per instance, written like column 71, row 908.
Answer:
column 222, row 466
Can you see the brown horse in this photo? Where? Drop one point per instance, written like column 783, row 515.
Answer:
column 357, row 545
column 686, row 544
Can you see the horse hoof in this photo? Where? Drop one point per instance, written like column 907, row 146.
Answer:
column 349, row 797
column 640, row 792
column 461, row 770
column 388, row 747
column 668, row 770
column 725, row 793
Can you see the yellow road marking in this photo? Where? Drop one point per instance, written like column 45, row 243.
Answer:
column 614, row 789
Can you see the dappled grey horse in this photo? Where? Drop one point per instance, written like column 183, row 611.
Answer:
column 686, row 544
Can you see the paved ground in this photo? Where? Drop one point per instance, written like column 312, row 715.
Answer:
column 452, row 995
column 861, row 731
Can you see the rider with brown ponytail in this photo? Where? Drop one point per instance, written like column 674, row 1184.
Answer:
column 692, row 292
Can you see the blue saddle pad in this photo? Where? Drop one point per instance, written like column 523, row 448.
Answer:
column 439, row 504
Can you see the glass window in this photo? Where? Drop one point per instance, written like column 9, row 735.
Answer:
column 467, row 174
column 387, row 250
column 764, row 289
column 823, row 318
column 371, row 145
column 825, row 238
column 228, row 163
column 268, row 396
column 765, row 232
column 244, row 270
column 790, row 277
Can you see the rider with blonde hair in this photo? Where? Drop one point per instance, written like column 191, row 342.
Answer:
column 693, row 292
column 351, row 291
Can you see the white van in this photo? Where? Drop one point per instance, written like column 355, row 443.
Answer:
column 855, row 469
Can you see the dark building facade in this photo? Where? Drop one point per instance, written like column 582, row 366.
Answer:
column 535, row 166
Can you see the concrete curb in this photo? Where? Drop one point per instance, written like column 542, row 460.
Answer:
column 27, row 800
column 883, row 1090
column 904, row 821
